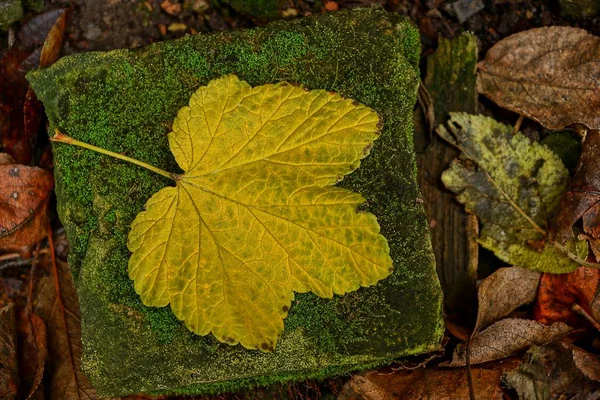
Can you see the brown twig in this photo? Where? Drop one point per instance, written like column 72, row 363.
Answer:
column 579, row 310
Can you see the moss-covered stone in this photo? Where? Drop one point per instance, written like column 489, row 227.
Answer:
column 126, row 100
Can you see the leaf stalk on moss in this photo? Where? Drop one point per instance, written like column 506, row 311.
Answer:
column 62, row 138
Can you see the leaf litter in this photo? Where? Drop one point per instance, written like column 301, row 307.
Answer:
column 497, row 297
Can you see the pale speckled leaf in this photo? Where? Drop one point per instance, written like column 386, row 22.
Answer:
column 255, row 217
column 513, row 185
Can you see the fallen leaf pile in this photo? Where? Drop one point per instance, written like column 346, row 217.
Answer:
column 529, row 209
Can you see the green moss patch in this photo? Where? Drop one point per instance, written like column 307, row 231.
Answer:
column 126, row 100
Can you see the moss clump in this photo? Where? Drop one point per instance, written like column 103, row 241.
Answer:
column 126, row 100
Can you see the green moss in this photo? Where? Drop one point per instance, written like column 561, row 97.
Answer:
column 126, row 100
column 11, row 11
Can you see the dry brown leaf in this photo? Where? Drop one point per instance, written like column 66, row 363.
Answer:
column 8, row 351
column 33, row 351
column 431, row 384
column 588, row 363
column 505, row 338
column 550, row 74
column 57, row 303
column 503, row 292
column 24, row 195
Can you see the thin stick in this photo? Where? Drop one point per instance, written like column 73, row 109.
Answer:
column 62, row 138
column 579, row 310
column 518, row 124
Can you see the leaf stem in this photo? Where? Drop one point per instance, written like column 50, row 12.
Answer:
column 62, row 138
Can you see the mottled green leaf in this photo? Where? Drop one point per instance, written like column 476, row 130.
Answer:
column 513, row 185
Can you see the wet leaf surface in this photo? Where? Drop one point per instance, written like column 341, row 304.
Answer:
column 548, row 74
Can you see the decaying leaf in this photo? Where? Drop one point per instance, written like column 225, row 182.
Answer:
column 24, row 195
column 255, row 217
column 430, row 383
column 550, row 373
column 38, row 43
column 587, row 363
column 57, row 304
column 548, row 74
column 33, row 350
column 8, row 351
column 558, row 293
column 505, row 338
column 582, row 200
column 513, row 185
column 503, row 292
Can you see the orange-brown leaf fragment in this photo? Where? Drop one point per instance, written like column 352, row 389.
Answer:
column 255, row 217
column 550, row 74
column 24, row 195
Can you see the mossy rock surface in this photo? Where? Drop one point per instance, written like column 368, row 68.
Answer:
column 126, row 100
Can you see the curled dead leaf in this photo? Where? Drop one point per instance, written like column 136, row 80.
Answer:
column 505, row 338
column 548, row 74
column 503, row 292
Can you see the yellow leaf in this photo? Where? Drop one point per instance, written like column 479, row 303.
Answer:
column 255, row 217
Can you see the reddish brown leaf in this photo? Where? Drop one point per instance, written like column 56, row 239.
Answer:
column 8, row 354
column 24, row 195
column 583, row 197
column 38, row 43
column 548, row 74
column 32, row 353
column 57, row 303
column 558, row 293
column 505, row 338
column 431, row 384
